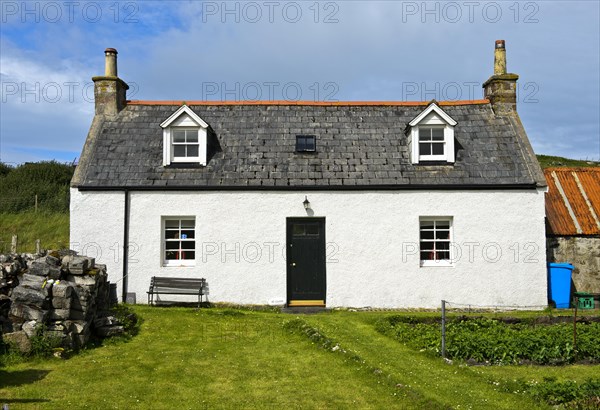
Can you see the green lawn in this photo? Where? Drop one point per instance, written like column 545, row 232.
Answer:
column 224, row 358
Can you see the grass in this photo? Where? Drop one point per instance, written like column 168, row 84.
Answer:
column 547, row 161
column 228, row 358
column 52, row 229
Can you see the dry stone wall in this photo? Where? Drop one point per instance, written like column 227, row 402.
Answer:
column 60, row 295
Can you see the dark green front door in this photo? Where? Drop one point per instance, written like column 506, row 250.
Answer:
column 306, row 281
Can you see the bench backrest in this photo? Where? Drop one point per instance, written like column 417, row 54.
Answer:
column 177, row 283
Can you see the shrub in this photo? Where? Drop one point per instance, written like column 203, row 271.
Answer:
column 130, row 321
column 49, row 180
column 43, row 344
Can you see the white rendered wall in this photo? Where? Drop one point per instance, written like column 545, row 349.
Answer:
column 372, row 237
column 96, row 229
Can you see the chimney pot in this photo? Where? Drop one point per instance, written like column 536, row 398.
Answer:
column 500, row 58
column 110, row 68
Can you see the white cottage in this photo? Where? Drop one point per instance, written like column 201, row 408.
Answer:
column 382, row 204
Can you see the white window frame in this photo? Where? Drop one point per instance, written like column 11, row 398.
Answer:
column 438, row 262
column 432, row 157
column 184, row 119
column 164, row 240
column 185, row 158
column 432, row 116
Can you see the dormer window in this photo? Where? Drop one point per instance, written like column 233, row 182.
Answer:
column 184, row 138
column 186, row 146
column 431, row 137
column 306, row 143
column 431, row 142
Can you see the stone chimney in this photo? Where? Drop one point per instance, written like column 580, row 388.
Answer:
column 501, row 88
column 109, row 90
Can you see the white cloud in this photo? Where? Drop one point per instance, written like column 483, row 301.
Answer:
column 42, row 107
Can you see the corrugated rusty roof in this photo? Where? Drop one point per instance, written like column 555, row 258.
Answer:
column 573, row 201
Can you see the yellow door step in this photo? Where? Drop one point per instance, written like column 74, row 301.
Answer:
column 306, row 303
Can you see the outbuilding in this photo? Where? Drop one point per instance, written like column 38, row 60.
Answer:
column 573, row 223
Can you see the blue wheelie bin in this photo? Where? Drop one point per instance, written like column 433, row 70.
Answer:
column 559, row 284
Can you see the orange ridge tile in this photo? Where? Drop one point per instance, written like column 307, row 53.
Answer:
column 311, row 103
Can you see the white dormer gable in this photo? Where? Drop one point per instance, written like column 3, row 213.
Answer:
column 431, row 137
column 179, row 116
column 433, row 108
column 184, row 137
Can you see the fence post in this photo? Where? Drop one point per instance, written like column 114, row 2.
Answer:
column 575, row 328
column 13, row 244
column 38, row 246
column 443, row 328
column 36, row 203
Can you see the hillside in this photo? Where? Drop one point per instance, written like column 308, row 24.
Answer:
column 547, row 161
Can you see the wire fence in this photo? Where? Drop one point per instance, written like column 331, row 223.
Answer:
column 477, row 308
column 34, row 203
column 464, row 309
column 13, row 246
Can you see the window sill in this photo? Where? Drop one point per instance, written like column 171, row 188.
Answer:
column 189, row 264
column 434, row 162
column 436, row 264
column 185, row 165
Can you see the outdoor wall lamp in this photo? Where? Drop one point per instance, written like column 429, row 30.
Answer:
column 306, row 203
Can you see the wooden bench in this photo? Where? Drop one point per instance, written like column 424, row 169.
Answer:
column 177, row 286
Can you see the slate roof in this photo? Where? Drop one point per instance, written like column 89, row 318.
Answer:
column 573, row 201
column 359, row 145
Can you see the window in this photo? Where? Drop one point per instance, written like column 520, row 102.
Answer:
column 431, row 142
column 184, row 138
column 432, row 136
column 434, row 241
column 186, row 145
column 306, row 143
column 305, row 229
column 179, row 242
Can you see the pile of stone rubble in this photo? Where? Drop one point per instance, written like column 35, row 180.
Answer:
column 58, row 295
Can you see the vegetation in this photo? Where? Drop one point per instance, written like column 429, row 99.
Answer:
column 20, row 185
column 231, row 358
column 48, row 180
column 486, row 340
column 576, row 395
column 51, row 228
column 547, row 161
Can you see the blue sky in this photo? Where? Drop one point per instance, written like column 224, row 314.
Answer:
column 286, row 50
